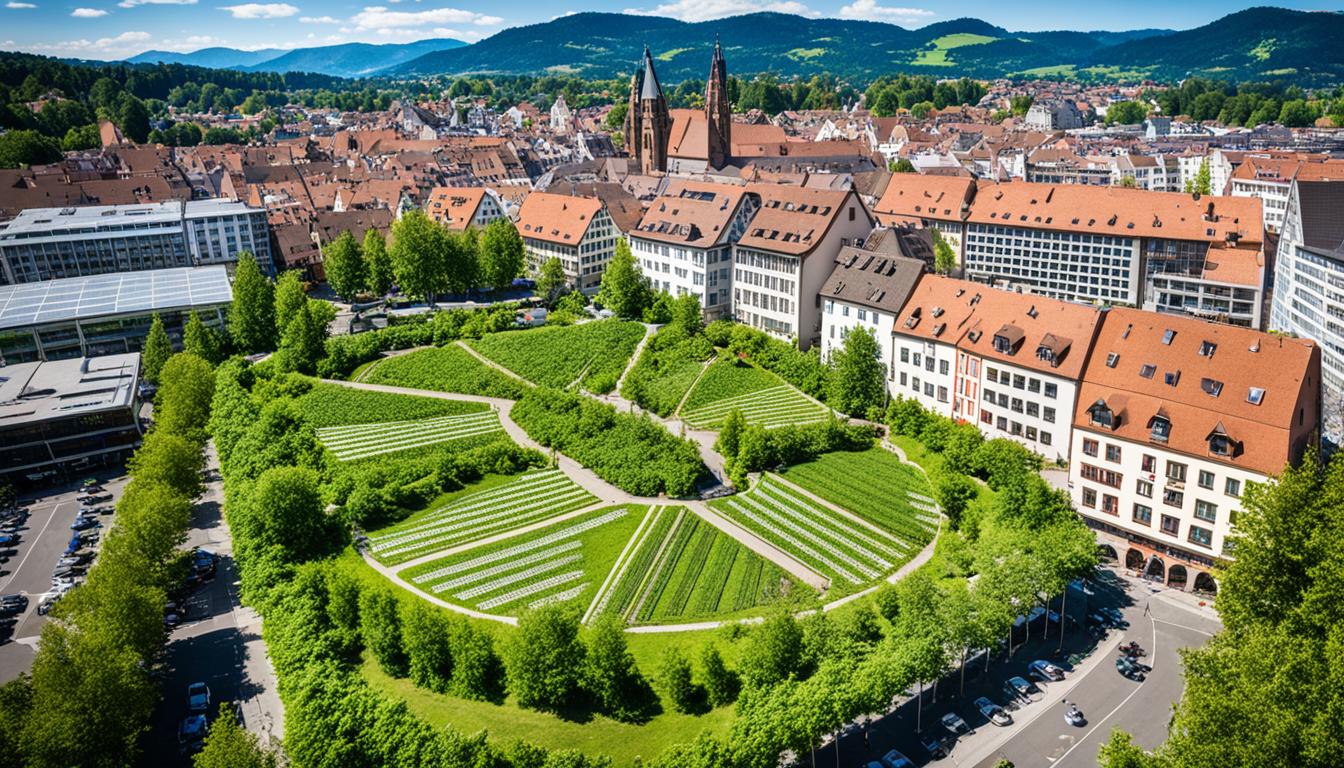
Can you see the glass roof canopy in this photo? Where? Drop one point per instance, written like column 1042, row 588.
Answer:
column 82, row 298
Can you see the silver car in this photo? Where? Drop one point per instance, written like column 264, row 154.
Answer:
column 993, row 712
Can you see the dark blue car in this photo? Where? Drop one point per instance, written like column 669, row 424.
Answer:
column 8, row 538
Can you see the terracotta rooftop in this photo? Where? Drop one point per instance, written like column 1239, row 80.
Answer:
column 794, row 220
column 928, row 197
column 559, row 219
column 455, row 207
column 1260, row 390
column 695, row 214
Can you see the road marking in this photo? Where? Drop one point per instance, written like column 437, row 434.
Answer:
column 1182, row 626
column 33, row 544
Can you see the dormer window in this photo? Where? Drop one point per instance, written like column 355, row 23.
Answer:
column 1255, row 396
column 1007, row 339
column 1211, row 387
column 1220, row 443
column 1159, row 428
column 1207, row 348
column 1168, row 336
column 1172, row 378
column 1101, row 415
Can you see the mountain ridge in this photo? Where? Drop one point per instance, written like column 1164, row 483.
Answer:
column 342, row 59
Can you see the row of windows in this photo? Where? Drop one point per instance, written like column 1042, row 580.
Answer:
column 769, row 282
column 1176, row 471
column 1018, row 405
column 1019, row 381
column 763, row 301
column 1015, row 428
column 1143, row 515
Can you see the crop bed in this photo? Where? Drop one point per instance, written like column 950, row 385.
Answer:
column 892, row 494
column 531, row 498
column 845, row 551
column 360, row 441
column 445, row 369
column 593, row 353
column 760, row 396
column 682, row 568
column 333, row 405
column 558, row 563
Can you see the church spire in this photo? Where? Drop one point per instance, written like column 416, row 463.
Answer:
column 718, row 112
column 648, row 121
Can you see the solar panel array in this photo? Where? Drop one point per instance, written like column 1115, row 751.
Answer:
column 81, row 298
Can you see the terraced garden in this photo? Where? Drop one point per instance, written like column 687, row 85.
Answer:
column 361, row 441
column 593, row 354
column 563, row 562
column 333, row 405
column 445, row 369
column 529, row 499
column 849, row 553
column 893, row 494
column 759, row 395
column 680, row 568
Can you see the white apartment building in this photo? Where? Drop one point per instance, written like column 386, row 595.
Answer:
column 936, row 202
column 1269, row 179
column 684, row 243
column 788, row 252
column 867, row 290
column 1007, row 362
column 576, row 230
column 1176, row 417
column 1309, row 286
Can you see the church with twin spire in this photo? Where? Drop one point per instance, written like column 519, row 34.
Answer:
column 661, row 140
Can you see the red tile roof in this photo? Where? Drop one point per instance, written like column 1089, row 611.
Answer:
column 454, row 206
column 555, row 218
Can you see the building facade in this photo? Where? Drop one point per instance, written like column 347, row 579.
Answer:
column 51, row 243
column 576, row 230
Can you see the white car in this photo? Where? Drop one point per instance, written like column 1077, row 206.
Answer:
column 953, row 722
column 993, row 712
column 1045, row 671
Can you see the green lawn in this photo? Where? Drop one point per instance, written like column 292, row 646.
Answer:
column 446, row 369
column 666, row 369
column 331, row 405
column 684, row 569
column 937, row 56
column 875, row 485
column 593, row 353
column 563, row 562
column 759, row 395
column 497, row 508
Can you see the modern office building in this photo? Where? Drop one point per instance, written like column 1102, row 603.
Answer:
column 67, row 415
column 684, row 243
column 106, row 314
column 1175, row 418
column 51, row 243
column 1309, row 286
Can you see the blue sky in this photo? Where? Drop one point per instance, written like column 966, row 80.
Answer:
column 112, row 29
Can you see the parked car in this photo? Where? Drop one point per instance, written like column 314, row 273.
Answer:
column 936, row 747
column 95, row 498
column 203, row 561
column 955, row 724
column 83, row 523
column 12, row 604
column 8, row 538
column 96, row 510
column 63, row 584
column 993, row 712
column 1019, row 688
column 1129, row 668
column 191, row 734
column 45, row 605
column 69, row 571
column 1044, row 670
column 198, row 697
column 894, row 759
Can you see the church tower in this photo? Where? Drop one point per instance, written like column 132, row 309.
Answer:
column 718, row 113
column 648, row 124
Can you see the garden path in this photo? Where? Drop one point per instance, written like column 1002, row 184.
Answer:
column 491, row 363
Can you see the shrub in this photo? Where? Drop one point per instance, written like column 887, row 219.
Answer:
column 544, row 659
column 380, row 627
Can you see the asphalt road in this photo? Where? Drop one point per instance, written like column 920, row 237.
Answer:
column 1039, row 735
column 28, row 571
column 219, row 644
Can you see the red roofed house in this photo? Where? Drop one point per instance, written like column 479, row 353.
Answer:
column 460, row 207
column 576, row 230
column 1175, row 418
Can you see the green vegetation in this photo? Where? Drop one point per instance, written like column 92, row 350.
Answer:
column 936, row 54
column 803, row 54
column 564, row 562
column 631, row 452
column 666, row 369
column 732, row 384
column 593, row 354
column 525, row 500
column 445, row 369
column 361, row 441
column 333, row 405
column 891, row 493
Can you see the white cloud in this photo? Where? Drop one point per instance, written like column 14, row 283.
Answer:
column 318, row 20
column 19, row 6
column 117, row 47
column 133, row 3
column 88, row 13
column 261, row 10
column 380, row 18
column 869, row 10
column 704, row 10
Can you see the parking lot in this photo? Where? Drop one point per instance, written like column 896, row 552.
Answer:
column 28, row 564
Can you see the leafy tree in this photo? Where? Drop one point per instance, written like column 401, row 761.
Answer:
column 289, row 299
column 773, row 651
column 551, row 280
column 677, row 683
column 1020, row 105
column 730, row 434
column 343, row 606
column 133, row 118
column 858, row 383
column 420, row 254
column 228, row 745
column 289, row 514
column 182, row 405
column 158, row 348
column 477, row 670
column 426, row 641
column 252, row 313
column 611, row 675
column 20, row 149
column 1126, row 113
column 302, row 343
column 687, row 315
column 624, row 290
column 953, row 491
column 720, row 683
column 501, row 254
column 346, row 270
column 1297, row 114
column 202, row 341
column 165, row 458
column 545, row 660
column 944, row 257
column 1202, row 183
column 902, row 165
column 380, row 625
column 1120, row 751
column 81, row 137
column 379, row 263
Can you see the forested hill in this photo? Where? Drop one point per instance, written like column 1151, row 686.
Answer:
column 1256, row 44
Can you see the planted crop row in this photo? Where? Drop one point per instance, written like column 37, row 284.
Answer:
column 662, row 572
column 774, row 407
column 749, row 583
column 446, row 369
column 729, row 377
column 879, row 545
column 504, row 495
column 329, row 405
column 666, row 369
column 891, row 494
column 556, row 356
column 391, row 437
column 686, row 575
column 623, row 592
